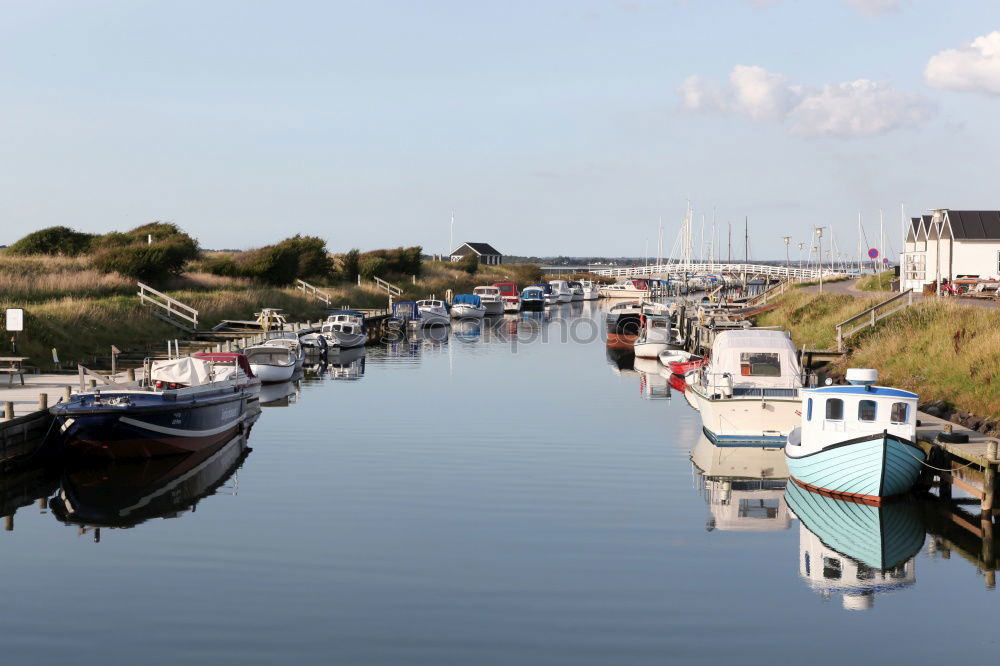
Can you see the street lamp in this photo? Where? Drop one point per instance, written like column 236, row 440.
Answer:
column 819, row 241
column 788, row 261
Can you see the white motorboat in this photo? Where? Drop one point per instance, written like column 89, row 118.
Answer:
column 590, row 289
column 749, row 392
column 562, row 290
column 345, row 329
column 490, row 298
column 271, row 363
column 292, row 344
column 550, row 296
column 668, row 356
column 467, row 306
column 631, row 288
column 654, row 337
column 576, row 289
column 856, row 442
column 433, row 312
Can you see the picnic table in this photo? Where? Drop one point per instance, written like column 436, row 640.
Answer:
column 13, row 365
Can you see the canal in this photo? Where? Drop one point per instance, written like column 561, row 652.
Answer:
column 520, row 495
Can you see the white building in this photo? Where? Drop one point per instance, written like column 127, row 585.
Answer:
column 951, row 244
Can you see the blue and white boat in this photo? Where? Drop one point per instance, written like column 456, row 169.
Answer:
column 856, row 442
column 533, row 299
column 855, row 549
column 345, row 329
column 180, row 406
column 467, row 306
column 406, row 314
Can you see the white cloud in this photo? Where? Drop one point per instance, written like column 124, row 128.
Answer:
column 973, row 67
column 874, row 7
column 854, row 108
column 761, row 94
column 857, row 108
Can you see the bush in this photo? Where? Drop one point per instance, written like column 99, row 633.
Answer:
column 54, row 241
column 144, row 262
column 401, row 261
column 372, row 266
column 350, row 265
column 297, row 257
column 469, row 263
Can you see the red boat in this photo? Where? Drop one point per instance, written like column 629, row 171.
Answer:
column 681, row 368
column 510, row 295
column 677, row 383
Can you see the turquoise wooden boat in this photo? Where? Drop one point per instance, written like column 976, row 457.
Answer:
column 857, row 441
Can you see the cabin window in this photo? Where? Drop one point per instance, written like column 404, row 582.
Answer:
column 809, row 410
column 658, row 324
column 807, row 563
column 831, row 568
column 758, row 364
column 898, row 413
column 867, row 410
column 835, row 409
column 865, row 572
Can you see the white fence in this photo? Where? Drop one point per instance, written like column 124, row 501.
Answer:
column 752, row 270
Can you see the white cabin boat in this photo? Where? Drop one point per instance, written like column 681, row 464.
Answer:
column 490, row 298
column 292, row 344
column 856, row 442
column 345, row 329
column 467, row 306
column 749, row 392
column 631, row 288
column 655, row 336
column 562, row 290
column 576, row 289
column 270, row 363
column 433, row 312
column 590, row 290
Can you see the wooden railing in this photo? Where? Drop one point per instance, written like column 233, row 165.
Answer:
column 169, row 308
column 697, row 268
column 872, row 316
column 773, row 291
column 387, row 287
column 310, row 290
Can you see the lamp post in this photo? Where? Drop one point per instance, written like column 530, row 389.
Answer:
column 788, row 261
column 819, row 241
column 936, row 225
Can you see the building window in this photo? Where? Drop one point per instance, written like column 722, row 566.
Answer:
column 867, row 410
column 835, row 409
column 898, row 413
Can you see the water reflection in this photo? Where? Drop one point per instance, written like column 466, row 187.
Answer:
column 653, row 378
column 855, row 549
column 126, row 493
column 743, row 486
column 281, row 394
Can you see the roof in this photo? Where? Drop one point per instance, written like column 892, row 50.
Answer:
column 975, row 224
column 478, row 248
column 879, row 391
column 467, row 299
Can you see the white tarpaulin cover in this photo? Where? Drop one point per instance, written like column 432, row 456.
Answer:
column 737, row 352
column 188, row 371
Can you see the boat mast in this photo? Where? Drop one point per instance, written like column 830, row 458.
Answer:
column 746, row 247
column 881, row 238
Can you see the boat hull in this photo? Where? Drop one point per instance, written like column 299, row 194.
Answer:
column 433, row 319
column 493, row 307
column 532, row 305
column 348, row 340
column 867, row 469
column 269, row 374
column 746, row 421
column 649, row 349
column 462, row 311
column 150, row 431
column 512, row 306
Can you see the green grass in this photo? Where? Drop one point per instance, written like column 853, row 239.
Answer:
column 877, row 281
column 941, row 350
column 813, row 283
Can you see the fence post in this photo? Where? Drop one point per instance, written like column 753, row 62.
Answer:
column 840, row 339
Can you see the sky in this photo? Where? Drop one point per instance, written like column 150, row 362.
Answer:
column 552, row 127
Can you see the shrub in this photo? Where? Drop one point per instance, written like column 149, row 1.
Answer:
column 279, row 264
column 469, row 263
column 400, row 261
column 54, row 241
column 350, row 265
column 144, row 262
column 372, row 266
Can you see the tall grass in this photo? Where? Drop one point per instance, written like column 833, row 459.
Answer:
column 941, row 350
column 877, row 281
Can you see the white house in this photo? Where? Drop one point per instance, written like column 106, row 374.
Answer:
column 951, row 244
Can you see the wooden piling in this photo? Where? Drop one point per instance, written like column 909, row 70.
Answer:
column 8, row 410
column 43, row 401
column 131, row 374
column 67, row 392
column 8, row 523
column 989, row 477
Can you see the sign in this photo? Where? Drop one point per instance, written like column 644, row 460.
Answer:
column 885, row 260
column 15, row 319
column 873, row 253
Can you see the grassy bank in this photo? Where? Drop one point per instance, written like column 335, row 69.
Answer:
column 939, row 349
column 877, row 281
column 82, row 312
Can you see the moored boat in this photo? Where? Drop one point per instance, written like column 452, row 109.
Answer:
column 490, row 298
column 271, row 363
column 533, row 298
column 562, row 290
column 654, row 337
column 345, row 329
column 433, row 312
column 292, row 344
column 407, row 314
column 856, row 442
column 576, row 289
column 590, row 290
column 630, row 288
column 510, row 296
column 551, row 298
column 179, row 406
column 467, row 306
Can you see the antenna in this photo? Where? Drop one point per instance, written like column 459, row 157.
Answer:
column 451, row 238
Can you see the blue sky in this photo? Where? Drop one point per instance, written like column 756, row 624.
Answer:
column 559, row 127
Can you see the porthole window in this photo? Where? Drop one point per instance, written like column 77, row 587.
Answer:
column 899, row 412
column 834, row 409
column 867, row 410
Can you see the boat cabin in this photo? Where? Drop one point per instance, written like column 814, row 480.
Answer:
column 546, row 288
column 487, row 293
column 831, row 414
column 406, row 311
column 754, row 363
column 533, row 294
column 349, row 321
column 431, row 303
column 506, row 288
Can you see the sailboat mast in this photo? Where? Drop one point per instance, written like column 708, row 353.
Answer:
column 881, row 237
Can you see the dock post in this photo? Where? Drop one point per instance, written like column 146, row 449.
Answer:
column 8, row 410
column 989, row 477
column 944, row 481
column 8, row 523
column 67, row 392
column 131, row 374
column 43, row 401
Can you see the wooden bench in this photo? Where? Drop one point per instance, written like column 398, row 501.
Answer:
column 13, row 365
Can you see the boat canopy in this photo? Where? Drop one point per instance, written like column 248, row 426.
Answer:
column 533, row 292
column 506, row 288
column 353, row 313
column 547, row 288
column 762, row 358
column 239, row 360
column 468, row 299
column 405, row 310
column 189, row 371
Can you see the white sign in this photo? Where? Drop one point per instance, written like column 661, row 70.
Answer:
column 15, row 319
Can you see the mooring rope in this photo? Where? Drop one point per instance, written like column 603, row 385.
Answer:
column 938, row 469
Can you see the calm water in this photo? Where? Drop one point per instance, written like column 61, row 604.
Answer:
column 468, row 501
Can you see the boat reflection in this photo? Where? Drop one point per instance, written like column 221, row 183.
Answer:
column 653, row 381
column 282, row 394
column 467, row 330
column 129, row 492
column 346, row 364
column 855, row 549
column 743, row 486
column 622, row 361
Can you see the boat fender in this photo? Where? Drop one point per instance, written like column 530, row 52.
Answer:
column 953, row 437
